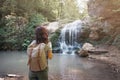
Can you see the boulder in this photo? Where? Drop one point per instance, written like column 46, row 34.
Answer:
column 88, row 47
column 83, row 52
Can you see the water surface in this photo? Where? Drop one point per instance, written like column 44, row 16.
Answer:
column 61, row 67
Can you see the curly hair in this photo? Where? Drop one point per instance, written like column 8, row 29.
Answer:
column 41, row 35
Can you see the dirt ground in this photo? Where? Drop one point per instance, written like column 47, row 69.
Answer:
column 112, row 57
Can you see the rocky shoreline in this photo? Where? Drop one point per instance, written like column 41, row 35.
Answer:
column 112, row 58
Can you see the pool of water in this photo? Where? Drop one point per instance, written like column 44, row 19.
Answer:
column 13, row 62
column 61, row 67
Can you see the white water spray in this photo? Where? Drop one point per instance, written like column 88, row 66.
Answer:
column 69, row 37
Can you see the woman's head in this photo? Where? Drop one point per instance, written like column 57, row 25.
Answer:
column 41, row 35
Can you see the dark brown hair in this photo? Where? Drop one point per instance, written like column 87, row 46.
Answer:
column 41, row 35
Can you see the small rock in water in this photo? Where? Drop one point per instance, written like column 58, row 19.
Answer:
column 13, row 75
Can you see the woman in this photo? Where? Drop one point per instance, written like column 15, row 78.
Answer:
column 38, row 52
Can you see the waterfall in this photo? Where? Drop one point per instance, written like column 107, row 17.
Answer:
column 69, row 37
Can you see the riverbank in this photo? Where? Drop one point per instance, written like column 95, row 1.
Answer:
column 112, row 58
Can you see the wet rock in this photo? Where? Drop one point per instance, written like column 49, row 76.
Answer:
column 57, row 50
column 85, row 48
column 83, row 53
column 11, row 77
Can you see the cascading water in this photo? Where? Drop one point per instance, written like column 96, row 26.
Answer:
column 69, row 37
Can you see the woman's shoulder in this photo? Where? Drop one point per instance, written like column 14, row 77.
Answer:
column 49, row 45
column 33, row 42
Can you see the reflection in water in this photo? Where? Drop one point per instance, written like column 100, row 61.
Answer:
column 69, row 67
column 13, row 62
column 61, row 67
column 72, row 67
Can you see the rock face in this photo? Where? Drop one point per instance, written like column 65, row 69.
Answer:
column 53, row 26
column 107, row 10
column 105, row 14
column 94, row 33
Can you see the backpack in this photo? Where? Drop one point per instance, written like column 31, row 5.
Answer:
column 37, row 58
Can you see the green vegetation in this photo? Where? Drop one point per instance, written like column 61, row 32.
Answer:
column 116, row 41
column 17, row 32
column 19, row 17
column 54, row 38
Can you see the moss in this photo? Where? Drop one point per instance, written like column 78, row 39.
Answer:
column 116, row 41
column 54, row 38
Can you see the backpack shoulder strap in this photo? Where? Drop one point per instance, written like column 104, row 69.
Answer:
column 45, row 49
column 38, row 60
column 29, row 57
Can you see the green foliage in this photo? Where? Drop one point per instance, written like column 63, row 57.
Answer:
column 19, row 17
column 54, row 38
column 10, row 28
column 70, row 9
column 28, row 33
column 26, row 8
column 50, row 9
column 25, row 44
column 116, row 41
column 36, row 19
column 16, row 32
